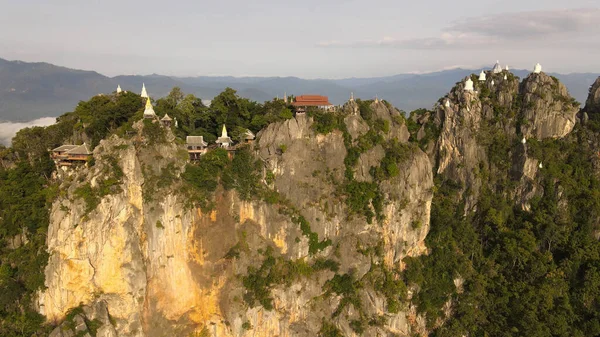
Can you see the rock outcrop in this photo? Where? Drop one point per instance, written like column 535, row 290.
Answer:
column 145, row 262
column 499, row 115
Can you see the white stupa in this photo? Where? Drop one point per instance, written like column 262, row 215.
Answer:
column 523, row 141
column 505, row 77
column 497, row 68
column 224, row 140
column 482, row 76
column 149, row 111
column 507, row 67
column 351, row 97
column 376, row 99
column 537, row 69
column 119, row 89
column 285, row 97
column 492, row 82
column 541, row 166
column 469, row 85
column 144, row 93
column 447, row 103
column 176, row 123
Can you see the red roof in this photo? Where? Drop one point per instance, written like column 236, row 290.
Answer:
column 311, row 100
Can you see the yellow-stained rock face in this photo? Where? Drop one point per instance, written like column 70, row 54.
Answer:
column 163, row 268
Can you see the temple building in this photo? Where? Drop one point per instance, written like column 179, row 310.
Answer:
column 497, row 68
column 196, row 146
column 482, row 76
column 144, row 93
column 67, row 155
column 537, row 69
column 166, row 121
column 304, row 101
column 149, row 111
column 469, row 85
column 224, row 141
column 249, row 137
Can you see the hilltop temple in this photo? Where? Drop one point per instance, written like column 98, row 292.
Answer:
column 144, row 93
column 67, row 155
column 304, row 101
column 225, row 141
column 149, row 111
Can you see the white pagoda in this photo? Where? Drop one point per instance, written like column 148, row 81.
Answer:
column 469, row 85
column 447, row 103
column 497, row 68
column 224, row 140
column 119, row 89
column 149, row 111
column 537, row 69
column 144, row 93
column 482, row 76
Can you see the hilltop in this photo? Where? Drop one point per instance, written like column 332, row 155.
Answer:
column 477, row 217
column 32, row 90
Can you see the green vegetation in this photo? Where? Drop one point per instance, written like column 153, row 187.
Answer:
column 25, row 195
column 278, row 271
column 110, row 184
column 525, row 273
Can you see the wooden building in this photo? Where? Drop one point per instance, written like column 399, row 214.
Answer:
column 196, row 146
column 67, row 155
column 304, row 101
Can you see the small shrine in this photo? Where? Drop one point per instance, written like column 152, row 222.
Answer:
column 196, row 146
column 249, row 137
column 497, row 68
column 482, row 76
column 224, row 141
column 469, row 85
column 166, row 121
column 144, row 93
column 149, row 111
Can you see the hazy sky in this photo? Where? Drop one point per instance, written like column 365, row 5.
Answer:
column 309, row 38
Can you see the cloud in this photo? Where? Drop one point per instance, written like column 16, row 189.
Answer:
column 9, row 129
column 525, row 29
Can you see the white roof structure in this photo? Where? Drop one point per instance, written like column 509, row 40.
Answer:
column 144, row 93
column 482, row 76
column 224, row 140
column 166, row 118
column 497, row 68
column 119, row 89
column 249, row 135
column 149, row 111
column 469, row 85
column 537, row 69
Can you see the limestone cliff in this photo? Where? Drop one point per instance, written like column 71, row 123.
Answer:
column 131, row 255
column 499, row 116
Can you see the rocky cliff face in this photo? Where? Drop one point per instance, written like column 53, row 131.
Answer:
column 495, row 118
column 319, row 247
column 141, row 260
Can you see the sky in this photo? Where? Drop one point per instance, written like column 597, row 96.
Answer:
column 308, row 39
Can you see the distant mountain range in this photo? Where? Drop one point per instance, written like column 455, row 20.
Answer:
column 32, row 90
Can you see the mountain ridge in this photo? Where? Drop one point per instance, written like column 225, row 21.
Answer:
column 40, row 89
